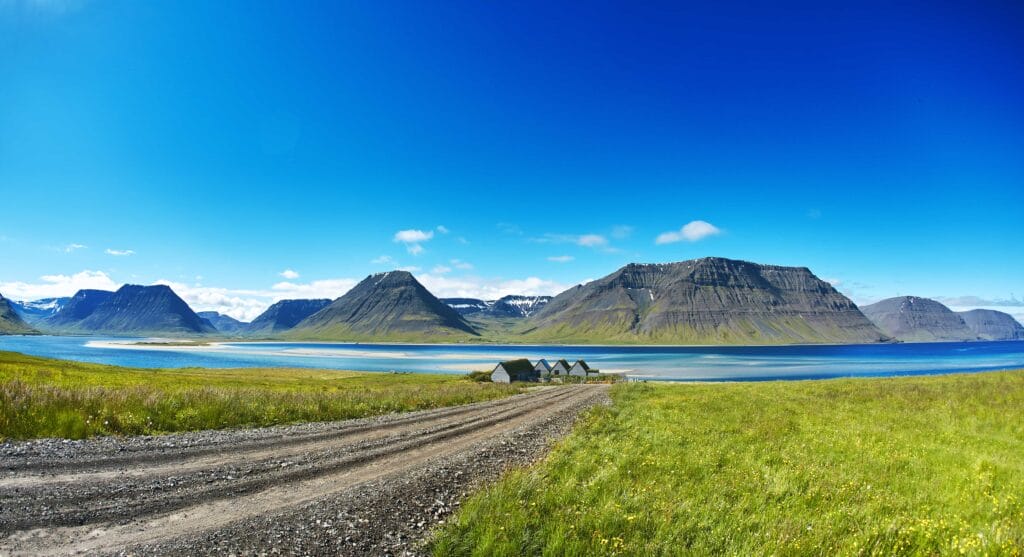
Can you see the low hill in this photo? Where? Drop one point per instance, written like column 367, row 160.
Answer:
column 989, row 324
column 703, row 301
column 284, row 315
column 914, row 319
column 391, row 306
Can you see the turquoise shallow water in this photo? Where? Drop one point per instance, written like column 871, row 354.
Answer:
column 706, row 363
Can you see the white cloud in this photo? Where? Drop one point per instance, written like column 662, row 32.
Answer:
column 561, row 258
column 327, row 288
column 244, row 305
column 412, row 239
column 441, row 270
column 72, row 247
column 461, row 265
column 691, row 232
column 488, row 289
column 592, row 240
column 833, row 281
column 409, row 269
column 442, row 229
column 120, row 252
column 382, row 260
column 55, row 286
column 289, row 274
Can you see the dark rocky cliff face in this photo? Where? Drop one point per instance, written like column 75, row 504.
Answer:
column 710, row 300
column 133, row 309
column 285, row 314
column 989, row 324
column 914, row 319
column 10, row 322
column 391, row 305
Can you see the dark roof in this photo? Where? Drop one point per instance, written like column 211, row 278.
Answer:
column 521, row 365
column 584, row 364
column 564, row 362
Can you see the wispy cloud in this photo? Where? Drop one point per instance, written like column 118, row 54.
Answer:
column 561, row 258
column 585, row 240
column 55, row 286
column 73, row 247
column 693, row 231
column 978, row 301
column 441, row 270
column 289, row 274
column 120, row 252
column 488, row 288
column 413, row 239
column 326, row 288
column 382, row 260
column 442, row 229
column 461, row 265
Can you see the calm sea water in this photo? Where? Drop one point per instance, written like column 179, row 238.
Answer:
column 712, row 363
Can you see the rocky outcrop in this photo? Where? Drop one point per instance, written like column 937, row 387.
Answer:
column 988, row 324
column 704, row 301
column 914, row 319
column 386, row 306
column 284, row 315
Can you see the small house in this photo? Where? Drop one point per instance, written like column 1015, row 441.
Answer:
column 515, row 370
column 542, row 367
column 581, row 369
column 560, row 369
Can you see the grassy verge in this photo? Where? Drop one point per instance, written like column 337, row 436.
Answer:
column 41, row 397
column 903, row 466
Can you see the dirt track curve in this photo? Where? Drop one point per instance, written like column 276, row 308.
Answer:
column 371, row 486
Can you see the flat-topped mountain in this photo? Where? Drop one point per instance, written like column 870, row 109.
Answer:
column 10, row 322
column 80, row 306
column 133, row 309
column 284, row 315
column 386, row 306
column 703, row 301
column 508, row 306
column 914, row 319
column 988, row 324
column 223, row 323
column 37, row 310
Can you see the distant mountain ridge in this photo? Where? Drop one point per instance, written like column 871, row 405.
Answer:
column 915, row 319
column 132, row 309
column 513, row 306
column 37, row 310
column 223, row 323
column 989, row 324
column 10, row 322
column 385, row 306
column 703, row 301
column 284, row 315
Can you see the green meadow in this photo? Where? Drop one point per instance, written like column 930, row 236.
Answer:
column 896, row 466
column 42, row 397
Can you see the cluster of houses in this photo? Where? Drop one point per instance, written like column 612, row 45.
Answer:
column 523, row 370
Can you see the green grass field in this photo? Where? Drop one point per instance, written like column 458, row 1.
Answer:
column 901, row 466
column 41, row 397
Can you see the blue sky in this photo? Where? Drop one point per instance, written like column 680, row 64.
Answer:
column 245, row 153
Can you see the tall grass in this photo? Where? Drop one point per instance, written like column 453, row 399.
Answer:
column 903, row 466
column 41, row 397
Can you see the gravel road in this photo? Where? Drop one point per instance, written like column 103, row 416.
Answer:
column 360, row 487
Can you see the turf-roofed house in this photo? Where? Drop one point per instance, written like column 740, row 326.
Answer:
column 515, row 370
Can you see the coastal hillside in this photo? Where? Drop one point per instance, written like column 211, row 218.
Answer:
column 391, row 306
column 989, row 324
column 80, row 306
column 914, row 319
column 284, row 315
column 133, row 309
column 223, row 323
column 10, row 322
column 703, row 301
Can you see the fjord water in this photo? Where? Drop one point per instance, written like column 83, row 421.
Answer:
column 687, row 363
